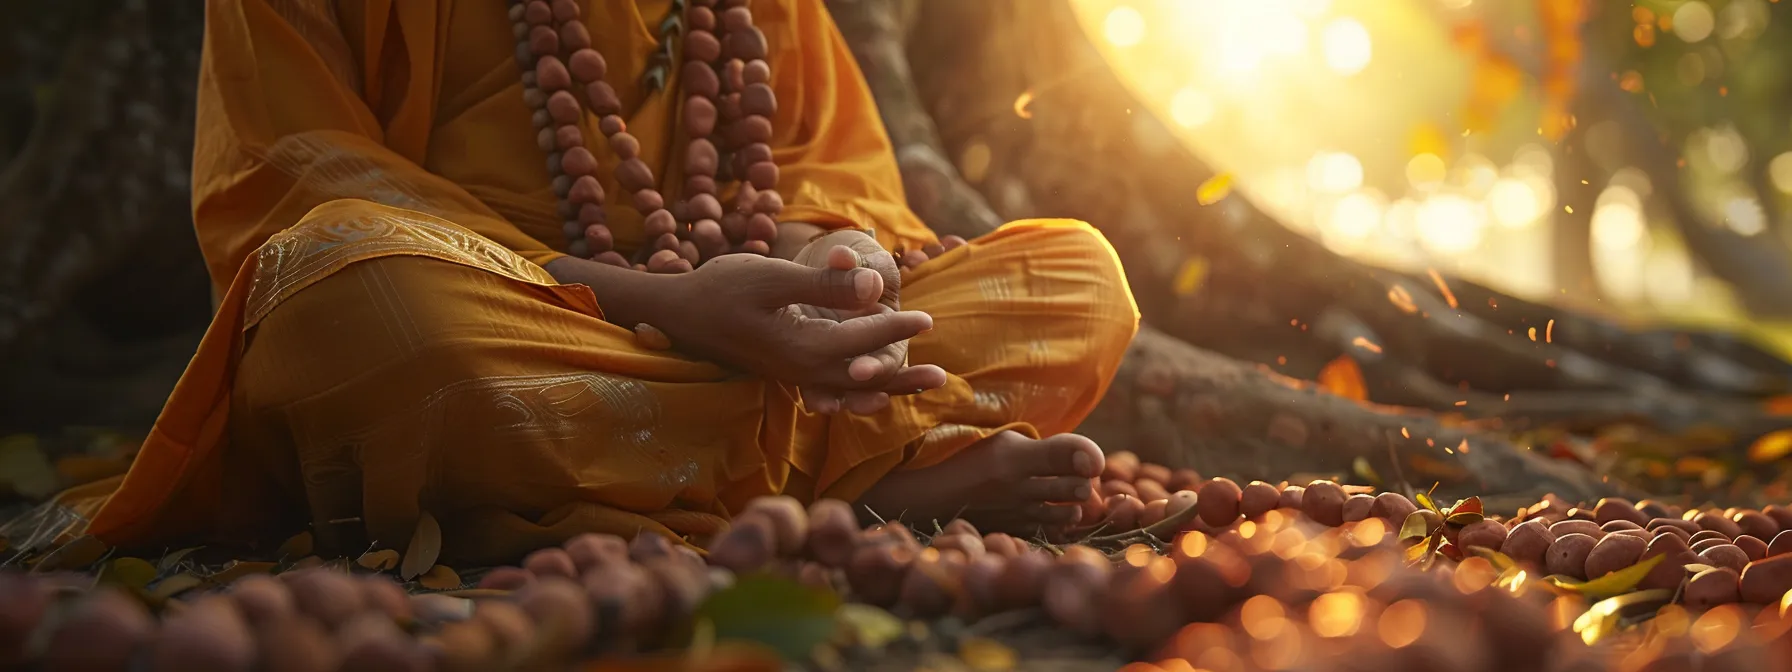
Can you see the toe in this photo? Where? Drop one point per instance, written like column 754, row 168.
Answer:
column 1054, row 489
column 1061, row 455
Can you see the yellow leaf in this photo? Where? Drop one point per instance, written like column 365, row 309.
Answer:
column 1605, row 617
column 76, row 554
column 425, row 547
column 238, row 569
column 1344, row 378
column 866, row 625
column 1428, row 139
column 133, row 573
column 1215, row 189
column 1615, row 583
column 982, row 653
column 298, row 546
column 440, row 577
column 23, row 469
column 1191, row 275
column 175, row 585
column 1020, row 105
column 381, row 560
column 1772, row 446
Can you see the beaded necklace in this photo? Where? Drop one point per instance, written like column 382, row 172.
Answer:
column 726, row 85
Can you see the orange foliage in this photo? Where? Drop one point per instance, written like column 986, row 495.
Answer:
column 1344, row 378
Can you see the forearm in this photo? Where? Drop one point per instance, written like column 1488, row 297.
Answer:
column 793, row 237
column 627, row 297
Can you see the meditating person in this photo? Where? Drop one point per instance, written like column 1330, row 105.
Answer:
column 550, row 268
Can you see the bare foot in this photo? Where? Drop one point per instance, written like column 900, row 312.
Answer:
column 1005, row 483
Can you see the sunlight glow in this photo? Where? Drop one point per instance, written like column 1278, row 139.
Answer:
column 1425, row 171
column 1253, row 32
column 1618, row 219
column 1124, row 27
column 1191, row 108
column 1693, row 21
column 1743, row 215
column 1450, row 224
column 1347, row 46
column 1516, row 202
column 1779, row 170
column 1357, row 215
column 1334, row 172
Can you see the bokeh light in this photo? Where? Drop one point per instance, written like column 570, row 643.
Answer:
column 1347, row 46
column 1124, row 27
column 1191, row 108
column 1694, row 21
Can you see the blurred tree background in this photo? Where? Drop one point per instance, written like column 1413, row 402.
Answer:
column 1515, row 245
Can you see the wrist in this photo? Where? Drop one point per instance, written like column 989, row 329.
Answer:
column 627, row 297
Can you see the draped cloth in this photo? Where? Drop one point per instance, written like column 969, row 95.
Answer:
column 375, row 215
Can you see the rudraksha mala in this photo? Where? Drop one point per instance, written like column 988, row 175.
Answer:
column 726, row 84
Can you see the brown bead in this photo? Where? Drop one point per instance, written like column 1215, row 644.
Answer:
column 733, row 3
column 587, row 65
column 761, row 226
column 573, row 230
column 565, row 10
column 754, row 153
column 755, row 128
column 728, row 106
column 769, row 202
column 603, row 98
column 528, row 79
column 758, row 99
column 567, row 137
column 563, row 108
column 519, row 30
column 598, row 238
column 734, row 75
column 592, row 213
column 659, row 223
column 515, row 13
column 625, row 146
column 543, row 41
column 700, row 18
column 578, row 162
column 586, row 189
column 551, row 74
column 544, row 138
column 553, row 163
column 648, row 200
column 746, row 45
column 701, row 46
column 699, row 184
column 700, row 158
column 763, row 175
column 703, row 206
column 700, row 80
column 525, row 59
column 535, row 98
column 745, row 196
column 703, row 3
column 699, row 117
column 757, row 71
column 633, row 174
column 541, row 118
column 736, row 18
column 574, row 35
column 734, row 227
column 538, row 13
column 567, row 209
column 612, row 124
column 561, row 184
column 579, row 248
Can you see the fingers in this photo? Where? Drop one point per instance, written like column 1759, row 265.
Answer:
column 854, row 289
column 934, row 250
column 916, row 379
column 819, row 400
column 865, row 402
column 836, row 341
column 828, row 401
column 843, row 258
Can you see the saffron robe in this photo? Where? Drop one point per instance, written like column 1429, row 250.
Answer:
column 375, row 214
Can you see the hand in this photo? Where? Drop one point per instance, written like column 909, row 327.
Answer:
column 845, row 250
column 739, row 310
column 912, row 259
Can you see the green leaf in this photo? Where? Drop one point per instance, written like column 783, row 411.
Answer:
column 1415, row 526
column 784, row 615
column 1606, row 615
column 1621, row 581
column 1469, row 518
column 131, row 573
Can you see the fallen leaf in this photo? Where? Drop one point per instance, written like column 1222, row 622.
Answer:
column 1770, row 447
column 175, row 585
column 1424, row 500
column 1615, row 583
column 983, row 653
column 440, row 577
column 1470, row 505
column 83, row 469
column 380, row 561
column 1344, row 378
column 1605, row 616
column 867, row 626
column 425, row 547
column 79, row 553
column 1214, row 190
column 172, row 560
column 132, row 573
column 1415, row 526
column 238, row 569
column 297, row 546
column 23, row 468
column 787, row 616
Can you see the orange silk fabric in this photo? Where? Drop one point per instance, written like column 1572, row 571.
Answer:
column 374, row 212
